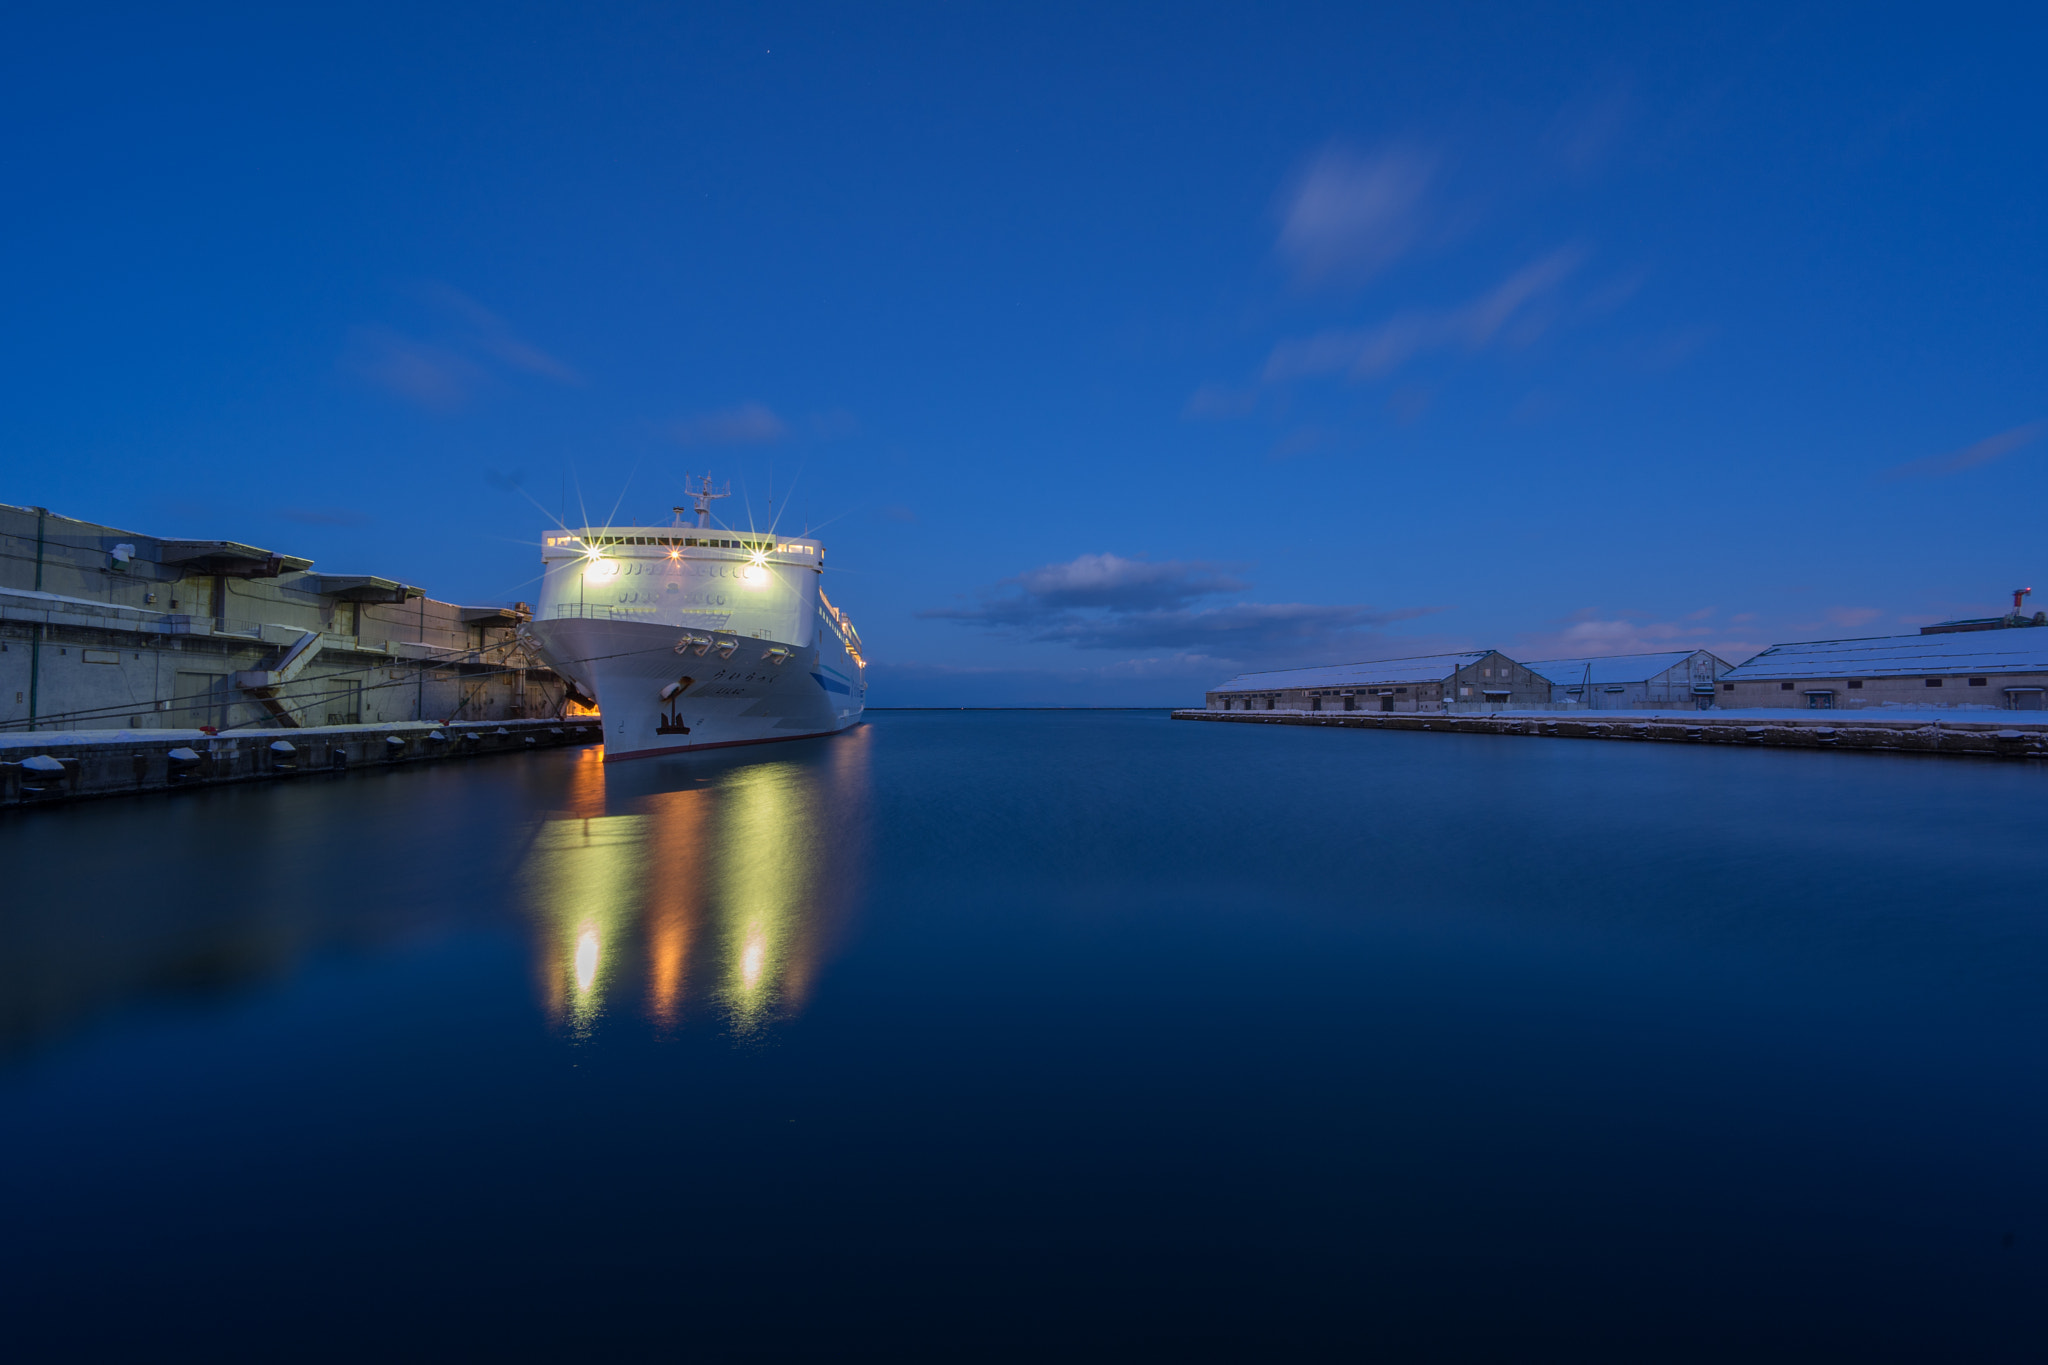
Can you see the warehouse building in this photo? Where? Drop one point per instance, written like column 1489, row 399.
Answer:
column 1684, row 680
column 2004, row 669
column 1480, row 680
column 102, row 628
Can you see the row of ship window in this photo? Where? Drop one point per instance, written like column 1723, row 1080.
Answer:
column 693, row 542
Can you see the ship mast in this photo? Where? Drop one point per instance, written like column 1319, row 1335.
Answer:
column 703, row 495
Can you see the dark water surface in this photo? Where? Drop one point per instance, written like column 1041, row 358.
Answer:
column 1038, row 1034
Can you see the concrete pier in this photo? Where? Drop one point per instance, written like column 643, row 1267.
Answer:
column 1961, row 735
column 69, row 765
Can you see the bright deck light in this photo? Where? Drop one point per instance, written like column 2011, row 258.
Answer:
column 601, row 570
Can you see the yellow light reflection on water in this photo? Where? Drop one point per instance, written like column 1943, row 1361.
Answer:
column 584, row 877
column 723, row 891
column 766, row 862
column 674, row 895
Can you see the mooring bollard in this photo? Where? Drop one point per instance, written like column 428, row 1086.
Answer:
column 42, row 776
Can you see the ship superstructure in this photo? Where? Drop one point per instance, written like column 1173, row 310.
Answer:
column 695, row 637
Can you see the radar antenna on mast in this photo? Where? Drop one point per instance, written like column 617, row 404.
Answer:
column 703, row 494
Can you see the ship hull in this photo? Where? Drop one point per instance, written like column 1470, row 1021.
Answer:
column 762, row 692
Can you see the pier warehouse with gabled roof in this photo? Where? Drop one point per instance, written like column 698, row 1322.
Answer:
column 1478, row 680
column 1677, row 680
column 1993, row 669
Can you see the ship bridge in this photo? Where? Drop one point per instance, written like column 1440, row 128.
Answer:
column 744, row 583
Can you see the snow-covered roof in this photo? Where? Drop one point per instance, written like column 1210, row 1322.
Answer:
column 1426, row 668
column 1611, row 668
column 2022, row 649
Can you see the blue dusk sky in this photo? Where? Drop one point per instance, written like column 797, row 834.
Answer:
column 1115, row 349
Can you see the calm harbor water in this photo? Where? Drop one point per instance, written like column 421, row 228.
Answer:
column 973, row 1034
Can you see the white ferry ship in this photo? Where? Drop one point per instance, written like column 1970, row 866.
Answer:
column 698, row 637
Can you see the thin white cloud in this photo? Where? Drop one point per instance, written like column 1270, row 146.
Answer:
column 1971, row 456
column 433, row 377
column 1107, row 582
column 1238, row 630
column 1504, row 312
column 1348, row 216
column 1593, row 635
column 1586, row 130
column 491, row 334
column 1215, row 402
column 749, row 424
column 471, row 348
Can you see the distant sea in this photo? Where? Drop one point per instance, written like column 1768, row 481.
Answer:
column 1037, row 1035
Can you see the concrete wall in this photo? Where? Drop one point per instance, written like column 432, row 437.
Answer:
column 2000, row 738
column 1958, row 689
column 1427, row 696
column 1468, row 687
column 1670, row 690
column 1463, row 690
column 90, row 642
column 41, row 767
column 1243, row 701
